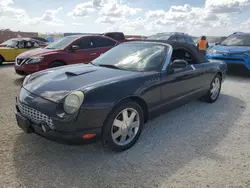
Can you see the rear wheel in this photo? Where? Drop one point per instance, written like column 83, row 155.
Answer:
column 214, row 91
column 123, row 126
column 57, row 64
column 1, row 60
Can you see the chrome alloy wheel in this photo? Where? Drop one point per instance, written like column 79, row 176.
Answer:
column 125, row 126
column 215, row 88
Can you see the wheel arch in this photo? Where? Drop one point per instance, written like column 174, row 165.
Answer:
column 143, row 105
column 219, row 73
column 1, row 57
column 137, row 100
column 61, row 61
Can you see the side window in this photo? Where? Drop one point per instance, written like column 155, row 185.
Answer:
column 189, row 40
column 183, row 54
column 173, row 38
column 35, row 45
column 21, row 44
column 85, row 43
column 181, row 39
column 101, row 42
column 29, row 44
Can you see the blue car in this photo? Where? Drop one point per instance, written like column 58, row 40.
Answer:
column 235, row 49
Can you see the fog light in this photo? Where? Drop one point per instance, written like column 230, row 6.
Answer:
column 89, row 136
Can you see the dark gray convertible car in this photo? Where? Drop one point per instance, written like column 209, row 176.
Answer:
column 114, row 96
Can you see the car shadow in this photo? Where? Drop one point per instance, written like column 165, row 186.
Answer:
column 167, row 144
column 238, row 71
column 7, row 64
column 19, row 81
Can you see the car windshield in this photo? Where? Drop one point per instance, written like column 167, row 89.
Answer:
column 159, row 36
column 11, row 43
column 237, row 40
column 62, row 43
column 134, row 57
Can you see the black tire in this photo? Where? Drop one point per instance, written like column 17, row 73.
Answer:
column 108, row 126
column 1, row 60
column 209, row 98
column 56, row 64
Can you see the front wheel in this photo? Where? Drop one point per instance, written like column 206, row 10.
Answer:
column 123, row 126
column 214, row 90
column 1, row 60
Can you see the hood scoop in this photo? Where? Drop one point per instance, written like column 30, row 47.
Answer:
column 77, row 73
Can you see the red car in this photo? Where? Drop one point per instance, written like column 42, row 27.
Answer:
column 69, row 50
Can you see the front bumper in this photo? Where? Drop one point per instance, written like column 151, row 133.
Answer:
column 62, row 137
column 40, row 112
column 233, row 59
column 27, row 69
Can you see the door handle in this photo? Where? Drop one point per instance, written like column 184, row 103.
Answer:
column 92, row 54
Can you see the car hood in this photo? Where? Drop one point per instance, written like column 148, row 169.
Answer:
column 231, row 49
column 37, row 52
column 55, row 84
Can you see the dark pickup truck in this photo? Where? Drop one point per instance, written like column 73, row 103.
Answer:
column 120, row 37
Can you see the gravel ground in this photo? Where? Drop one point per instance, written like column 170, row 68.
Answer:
column 197, row 145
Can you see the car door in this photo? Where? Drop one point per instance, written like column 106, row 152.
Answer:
column 179, row 83
column 208, row 73
column 85, row 52
column 103, row 44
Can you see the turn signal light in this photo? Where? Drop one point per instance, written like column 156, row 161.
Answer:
column 89, row 136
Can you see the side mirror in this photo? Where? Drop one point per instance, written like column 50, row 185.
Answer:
column 178, row 64
column 74, row 47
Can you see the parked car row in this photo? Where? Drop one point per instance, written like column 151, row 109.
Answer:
column 9, row 52
column 78, row 49
column 69, row 50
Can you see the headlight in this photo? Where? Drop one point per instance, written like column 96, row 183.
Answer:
column 247, row 53
column 26, row 79
column 73, row 102
column 34, row 60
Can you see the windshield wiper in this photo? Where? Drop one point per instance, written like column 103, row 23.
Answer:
column 92, row 63
column 109, row 66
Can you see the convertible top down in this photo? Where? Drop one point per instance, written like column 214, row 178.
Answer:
column 113, row 97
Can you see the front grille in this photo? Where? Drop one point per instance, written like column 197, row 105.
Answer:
column 34, row 115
